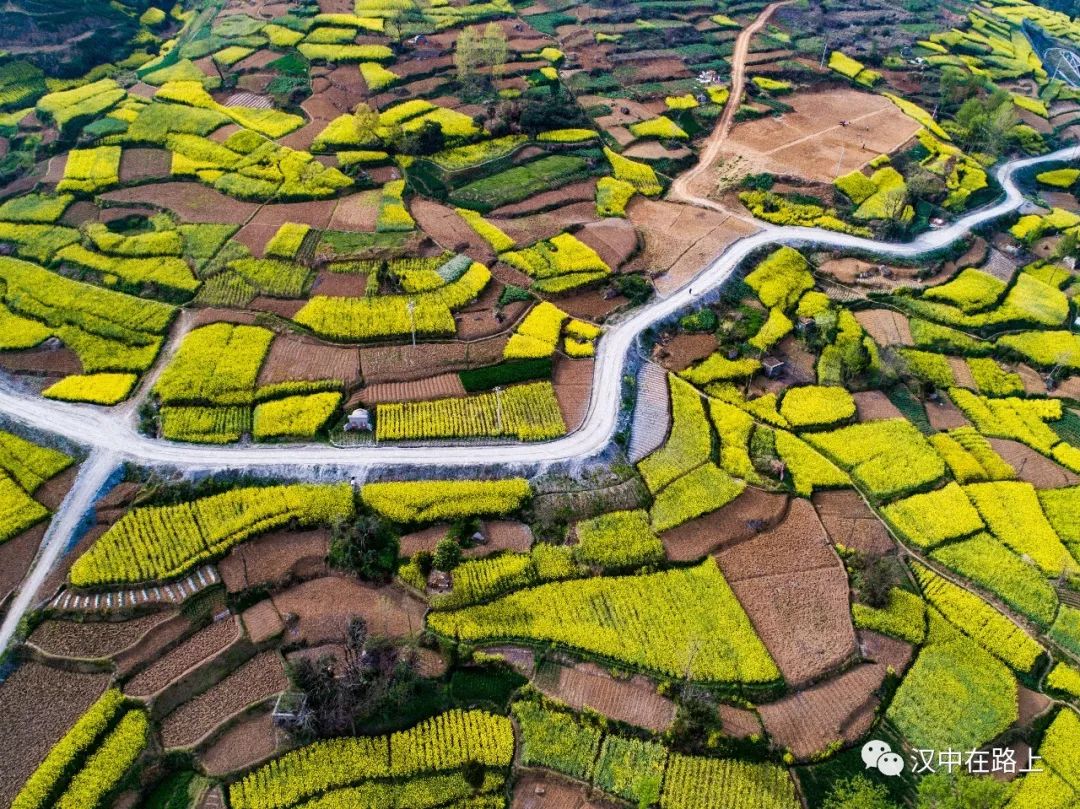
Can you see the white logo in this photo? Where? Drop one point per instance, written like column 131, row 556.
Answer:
column 878, row 755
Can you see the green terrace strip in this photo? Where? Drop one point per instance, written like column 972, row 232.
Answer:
column 108, row 330
column 440, row 744
column 679, row 623
column 105, row 768
column 216, row 364
column 430, row 314
column 24, row 466
column 425, row 501
column 644, row 772
column 157, row 543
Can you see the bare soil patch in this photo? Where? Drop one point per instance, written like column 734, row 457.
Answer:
column 839, row 709
column 1036, row 469
column 795, row 591
column 449, row 230
column 591, row 304
column 357, row 212
column 407, row 362
column 15, row 557
column 633, row 701
column 39, row 704
column 339, row 284
column 808, row 141
column 654, row 150
column 275, row 558
column 424, row 540
column 323, row 607
column 680, row 240
column 200, row 646
column 282, row 308
column 742, row 518
column 878, row 648
column 141, row 165
column 739, row 723
column 614, row 239
column 873, row 405
column 150, row 648
column 293, row 357
column 544, row 790
column 888, row 328
column 191, row 202
column 262, row 621
column 944, row 415
column 851, row 523
column 259, row 678
column 573, row 387
column 584, row 191
column 503, row 535
column 534, row 227
column 680, row 351
column 53, row 359
column 1031, row 704
column 441, row 386
column 92, row 639
column 245, row 743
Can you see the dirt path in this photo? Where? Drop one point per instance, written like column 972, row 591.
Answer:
column 681, row 189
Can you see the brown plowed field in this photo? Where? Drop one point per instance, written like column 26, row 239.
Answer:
column 259, row 678
column 141, row 165
column 795, row 590
column 738, row 722
column 614, row 239
column 274, row 558
column 633, row 701
column 544, row 790
column 680, row 351
column 15, row 557
column 150, row 648
column 449, row 230
column 262, row 621
column 339, row 284
column 357, row 212
column 962, row 373
column 245, row 743
column 323, row 607
column 808, row 142
column 591, row 304
column 200, row 646
column 503, row 535
column 888, row 328
column 406, row 362
column 873, row 405
column 573, row 386
column 39, row 704
column 840, row 708
column 797, row 544
column 424, row 540
column 945, row 416
column 679, row 240
column 878, row 648
column 92, row 639
column 1036, row 469
column 738, row 520
column 441, row 386
column 568, row 194
column 58, row 360
column 1031, row 704
column 297, row 358
column 851, row 523
column 533, row 227
column 191, row 202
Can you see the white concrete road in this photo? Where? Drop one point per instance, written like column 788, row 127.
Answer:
column 111, row 435
column 101, row 429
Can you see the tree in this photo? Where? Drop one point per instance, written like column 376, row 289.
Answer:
column 877, row 580
column 858, row 792
column 447, row 554
column 960, row 790
column 493, row 49
column 367, row 123
column 467, row 56
column 365, row 546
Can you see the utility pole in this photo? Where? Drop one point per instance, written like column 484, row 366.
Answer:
column 843, row 146
column 498, row 409
column 411, row 305
column 824, row 48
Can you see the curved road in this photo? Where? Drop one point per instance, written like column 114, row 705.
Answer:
column 101, row 429
column 112, row 436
